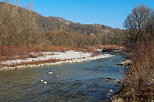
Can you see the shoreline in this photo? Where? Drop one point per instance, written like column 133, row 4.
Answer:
column 66, row 57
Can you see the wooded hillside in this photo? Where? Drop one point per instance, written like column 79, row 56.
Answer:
column 23, row 27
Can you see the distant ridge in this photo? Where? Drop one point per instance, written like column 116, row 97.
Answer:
column 48, row 24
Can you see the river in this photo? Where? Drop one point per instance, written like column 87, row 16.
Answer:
column 79, row 82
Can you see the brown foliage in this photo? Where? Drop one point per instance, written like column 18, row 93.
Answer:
column 109, row 46
column 62, row 38
column 13, row 51
column 141, row 75
column 17, row 26
column 139, row 82
column 38, row 48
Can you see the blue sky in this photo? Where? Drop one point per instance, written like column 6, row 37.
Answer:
column 107, row 12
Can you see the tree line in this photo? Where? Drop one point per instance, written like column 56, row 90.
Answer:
column 18, row 27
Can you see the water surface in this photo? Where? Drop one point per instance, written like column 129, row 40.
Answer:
column 80, row 82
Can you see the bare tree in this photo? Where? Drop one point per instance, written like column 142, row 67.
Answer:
column 136, row 22
column 138, row 19
column 6, row 1
column 17, row 25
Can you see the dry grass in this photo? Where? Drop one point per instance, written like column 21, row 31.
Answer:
column 109, row 46
column 13, row 51
column 10, row 52
column 38, row 48
column 139, row 83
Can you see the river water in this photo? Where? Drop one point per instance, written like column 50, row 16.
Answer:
column 80, row 82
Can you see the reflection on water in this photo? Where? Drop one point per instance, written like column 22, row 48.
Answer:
column 80, row 82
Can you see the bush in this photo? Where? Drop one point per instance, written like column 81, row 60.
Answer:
column 140, row 80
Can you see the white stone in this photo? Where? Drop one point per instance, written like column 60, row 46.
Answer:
column 110, row 90
column 50, row 72
column 44, row 82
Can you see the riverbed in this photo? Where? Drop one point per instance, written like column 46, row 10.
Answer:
column 91, row 81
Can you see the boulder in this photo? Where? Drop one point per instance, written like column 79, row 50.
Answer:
column 125, row 63
column 33, row 55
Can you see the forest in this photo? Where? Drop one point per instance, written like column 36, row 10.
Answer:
column 21, row 27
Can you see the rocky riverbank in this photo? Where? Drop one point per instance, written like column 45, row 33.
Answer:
column 50, row 58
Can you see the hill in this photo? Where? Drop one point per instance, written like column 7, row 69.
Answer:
column 47, row 24
column 31, row 28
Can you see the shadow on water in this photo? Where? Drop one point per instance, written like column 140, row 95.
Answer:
column 80, row 82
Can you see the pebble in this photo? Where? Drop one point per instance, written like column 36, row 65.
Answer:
column 117, row 80
column 76, row 57
column 45, row 82
column 110, row 90
column 109, row 94
column 50, row 72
